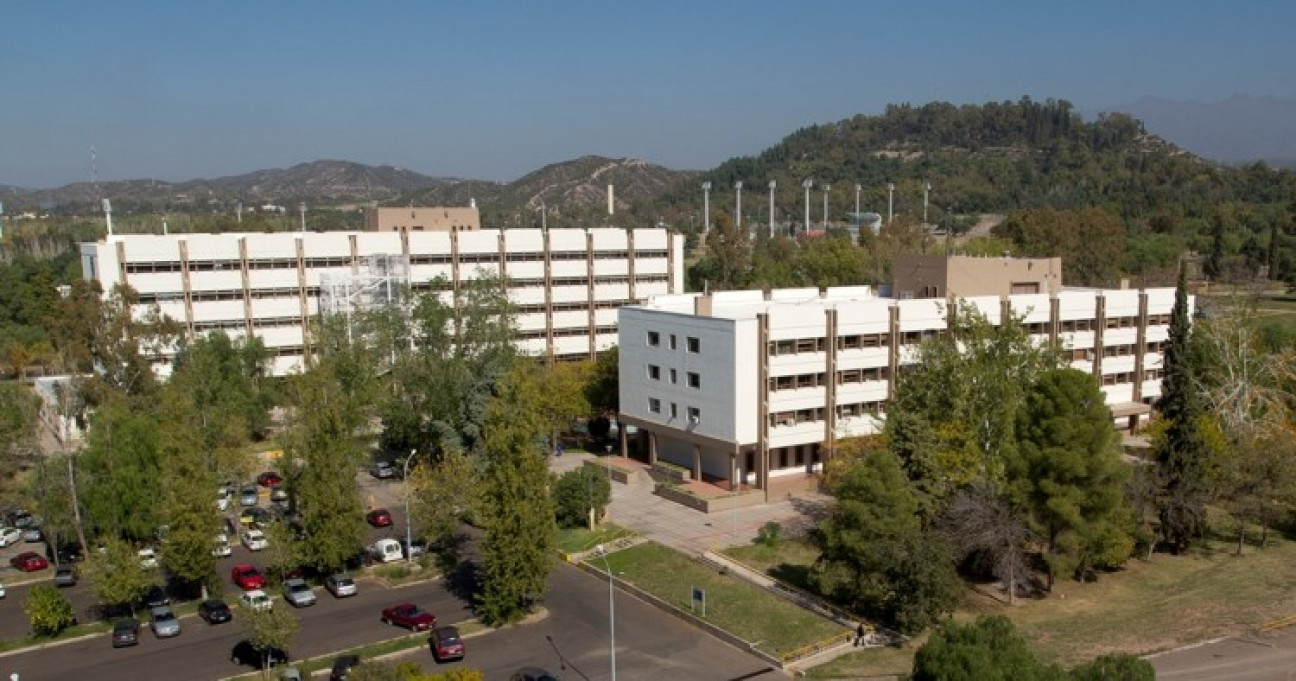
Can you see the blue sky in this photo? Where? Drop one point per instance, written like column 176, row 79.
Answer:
column 494, row 89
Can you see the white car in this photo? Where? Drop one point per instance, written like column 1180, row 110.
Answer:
column 256, row 600
column 255, row 540
column 2, row 591
column 223, row 499
column 9, row 535
column 148, row 558
column 221, row 547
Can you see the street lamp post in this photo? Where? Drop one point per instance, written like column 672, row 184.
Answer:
column 890, row 202
column 706, row 207
column 409, row 534
column 826, row 188
column 611, row 607
column 772, row 186
column 809, row 182
column 857, row 193
column 738, row 205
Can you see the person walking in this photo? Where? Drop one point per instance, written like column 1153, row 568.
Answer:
column 859, row 634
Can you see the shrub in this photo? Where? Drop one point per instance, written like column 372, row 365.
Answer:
column 576, row 492
column 48, row 611
column 770, row 534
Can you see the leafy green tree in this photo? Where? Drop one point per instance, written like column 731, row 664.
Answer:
column 580, row 496
column 1184, row 450
column 323, row 423
column 560, row 395
column 227, row 381
column 266, row 629
column 19, row 407
column 123, row 345
column 48, row 611
column 1116, row 667
column 602, row 389
column 1090, row 241
column 188, row 485
column 1068, row 475
column 727, row 264
column 518, row 511
column 874, row 554
column 119, row 469
column 445, row 495
column 989, row 649
column 116, row 574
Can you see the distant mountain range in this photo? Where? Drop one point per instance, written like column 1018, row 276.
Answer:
column 1240, row 129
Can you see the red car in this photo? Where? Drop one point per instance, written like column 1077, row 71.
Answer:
column 248, row 577
column 446, row 644
column 409, row 616
column 379, row 517
column 29, row 561
column 269, row 479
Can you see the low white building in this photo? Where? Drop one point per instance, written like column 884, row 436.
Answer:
column 567, row 284
column 753, row 386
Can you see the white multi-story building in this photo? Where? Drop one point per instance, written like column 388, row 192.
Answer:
column 752, row 385
column 567, row 284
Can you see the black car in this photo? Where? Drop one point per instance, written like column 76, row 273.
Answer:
column 532, row 674
column 64, row 575
column 65, row 553
column 125, row 633
column 248, row 655
column 342, row 666
column 215, row 611
column 156, row 598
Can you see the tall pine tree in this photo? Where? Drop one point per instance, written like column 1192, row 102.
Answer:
column 1183, row 451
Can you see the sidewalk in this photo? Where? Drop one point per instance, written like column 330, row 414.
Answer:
column 687, row 530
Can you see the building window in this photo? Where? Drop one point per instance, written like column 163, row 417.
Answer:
column 654, row 372
column 674, row 410
column 654, row 405
column 672, row 341
column 695, row 414
column 654, row 339
column 674, row 378
column 694, row 380
column 694, row 345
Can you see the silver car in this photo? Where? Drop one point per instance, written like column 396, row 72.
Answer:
column 164, row 622
column 340, row 585
column 298, row 593
column 248, row 495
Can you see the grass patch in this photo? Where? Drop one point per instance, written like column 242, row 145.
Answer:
column 787, row 560
column 771, row 623
column 401, row 572
column 577, row 539
column 77, row 631
column 868, row 663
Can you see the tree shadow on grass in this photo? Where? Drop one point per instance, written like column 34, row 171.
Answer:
column 795, row 575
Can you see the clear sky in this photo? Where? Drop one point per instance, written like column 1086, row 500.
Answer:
column 492, row 89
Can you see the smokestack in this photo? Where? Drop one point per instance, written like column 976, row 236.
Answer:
column 611, row 201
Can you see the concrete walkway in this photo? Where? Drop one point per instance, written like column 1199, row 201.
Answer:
column 690, row 531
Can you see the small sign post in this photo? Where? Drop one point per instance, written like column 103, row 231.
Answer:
column 699, row 598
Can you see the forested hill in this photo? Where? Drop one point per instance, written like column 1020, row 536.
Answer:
column 997, row 157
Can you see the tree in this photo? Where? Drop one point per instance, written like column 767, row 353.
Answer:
column 119, row 469
column 1185, row 451
column 1090, row 240
column 518, row 511
column 874, row 554
column 580, row 496
column 728, row 262
column 227, row 382
column 269, row 628
column 1116, row 667
column 989, row 649
column 602, row 388
column 991, row 534
column 48, row 611
column 559, row 395
column 445, row 494
column 187, row 482
column 116, row 575
column 1068, row 475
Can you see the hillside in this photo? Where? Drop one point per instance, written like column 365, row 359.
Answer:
column 1240, row 129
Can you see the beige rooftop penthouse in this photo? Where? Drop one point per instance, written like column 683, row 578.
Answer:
column 425, row 219
column 963, row 276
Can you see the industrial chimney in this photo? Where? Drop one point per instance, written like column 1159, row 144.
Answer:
column 611, row 201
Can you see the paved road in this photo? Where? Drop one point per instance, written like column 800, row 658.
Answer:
column 573, row 640
column 1266, row 658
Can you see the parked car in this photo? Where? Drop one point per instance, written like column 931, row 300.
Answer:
column 269, row 479
column 247, row 577
column 64, row 575
column 382, row 470
column 290, row 674
column 248, row 495
column 255, row 540
column 409, row 616
column 386, row 550
column 19, row 518
column 379, row 517
column 148, row 557
column 156, row 597
column 533, row 674
column 279, row 494
column 342, row 667
column 246, row 654
column 66, row 552
column 446, row 644
column 9, row 535
column 298, row 593
column 256, row 599
column 33, row 534
column 163, row 622
column 215, row 611
column 29, row 561
column 221, row 546
column 125, row 633
column 340, row 585
column 223, row 497
column 2, row 590
column 417, row 548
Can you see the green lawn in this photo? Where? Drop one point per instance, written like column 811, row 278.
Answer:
column 575, row 540
column 773, row 624
column 788, row 560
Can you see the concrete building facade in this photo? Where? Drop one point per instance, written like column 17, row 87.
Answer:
column 960, row 276
column 750, row 386
column 567, row 285
column 423, row 219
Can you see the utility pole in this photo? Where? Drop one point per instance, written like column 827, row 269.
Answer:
column 738, row 205
column 772, row 185
column 809, row 182
column 926, row 192
column 857, row 193
column 826, row 188
column 890, row 202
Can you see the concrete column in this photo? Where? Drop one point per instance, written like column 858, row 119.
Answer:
column 623, row 441
column 1140, row 349
column 830, row 387
column 652, row 447
column 247, row 285
column 697, row 462
column 734, row 482
column 188, row 292
column 1100, row 330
